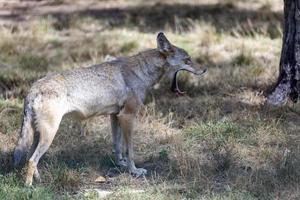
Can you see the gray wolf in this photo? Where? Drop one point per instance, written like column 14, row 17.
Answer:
column 116, row 88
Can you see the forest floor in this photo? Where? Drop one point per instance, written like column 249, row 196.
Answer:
column 219, row 141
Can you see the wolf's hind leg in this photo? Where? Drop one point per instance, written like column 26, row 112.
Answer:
column 47, row 126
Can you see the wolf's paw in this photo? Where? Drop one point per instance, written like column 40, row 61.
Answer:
column 28, row 181
column 122, row 162
column 138, row 172
column 37, row 176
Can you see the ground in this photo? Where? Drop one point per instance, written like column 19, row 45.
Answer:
column 219, row 141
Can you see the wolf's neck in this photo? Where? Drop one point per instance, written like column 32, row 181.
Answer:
column 149, row 67
column 143, row 70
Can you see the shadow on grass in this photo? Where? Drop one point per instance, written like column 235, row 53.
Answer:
column 6, row 162
column 222, row 169
column 152, row 18
column 160, row 16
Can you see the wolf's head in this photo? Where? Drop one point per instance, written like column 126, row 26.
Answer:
column 177, row 59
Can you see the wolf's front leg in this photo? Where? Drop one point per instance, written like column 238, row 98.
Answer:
column 127, row 119
column 83, row 128
column 117, row 141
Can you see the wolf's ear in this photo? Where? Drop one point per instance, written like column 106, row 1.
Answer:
column 163, row 44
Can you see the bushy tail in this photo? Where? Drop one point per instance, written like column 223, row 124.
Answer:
column 26, row 135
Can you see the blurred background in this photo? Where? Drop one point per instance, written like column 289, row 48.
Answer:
column 219, row 141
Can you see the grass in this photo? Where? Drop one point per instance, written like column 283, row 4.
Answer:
column 11, row 188
column 219, row 141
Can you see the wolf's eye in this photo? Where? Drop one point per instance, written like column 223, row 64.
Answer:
column 187, row 61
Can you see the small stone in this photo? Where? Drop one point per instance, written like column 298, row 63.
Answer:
column 100, row 179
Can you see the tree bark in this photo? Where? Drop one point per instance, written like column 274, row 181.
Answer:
column 288, row 83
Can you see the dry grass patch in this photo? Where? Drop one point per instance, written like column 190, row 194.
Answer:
column 219, row 141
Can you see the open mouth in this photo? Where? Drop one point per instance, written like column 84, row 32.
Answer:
column 174, row 86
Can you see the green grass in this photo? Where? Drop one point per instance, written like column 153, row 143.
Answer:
column 10, row 114
column 129, row 47
column 243, row 59
column 11, row 188
column 221, row 132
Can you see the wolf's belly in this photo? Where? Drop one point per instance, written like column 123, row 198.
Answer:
column 84, row 113
column 88, row 105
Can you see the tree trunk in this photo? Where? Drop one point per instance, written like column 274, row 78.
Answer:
column 288, row 83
